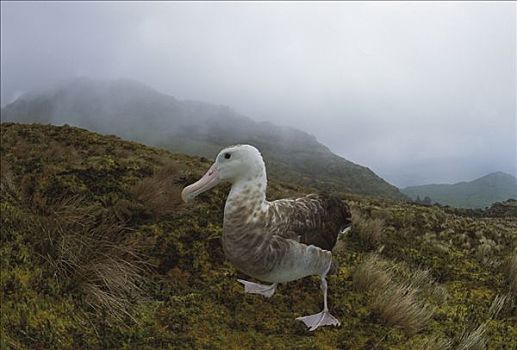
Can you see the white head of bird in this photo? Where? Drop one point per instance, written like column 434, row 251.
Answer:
column 236, row 164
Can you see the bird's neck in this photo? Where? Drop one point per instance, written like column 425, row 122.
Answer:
column 247, row 196
column 244, row 215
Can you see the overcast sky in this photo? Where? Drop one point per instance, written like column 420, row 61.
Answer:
column 418, row 92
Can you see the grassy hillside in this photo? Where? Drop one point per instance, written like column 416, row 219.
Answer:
column 137, row 112
column 97, row 251
column 479, row 193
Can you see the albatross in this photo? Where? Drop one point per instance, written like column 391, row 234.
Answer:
column 273, row 241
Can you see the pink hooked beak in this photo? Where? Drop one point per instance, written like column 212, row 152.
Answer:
column 209, row 180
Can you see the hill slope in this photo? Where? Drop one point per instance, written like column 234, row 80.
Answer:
column 137, row 112
column 98, row 252
column 479, row 193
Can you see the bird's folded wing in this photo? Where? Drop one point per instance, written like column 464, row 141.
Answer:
column 312, row 220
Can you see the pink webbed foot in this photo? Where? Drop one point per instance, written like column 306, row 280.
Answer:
column 323, row 318
column 255, row 288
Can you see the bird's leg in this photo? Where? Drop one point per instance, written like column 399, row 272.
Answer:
column 324, row 318
column 255, row 288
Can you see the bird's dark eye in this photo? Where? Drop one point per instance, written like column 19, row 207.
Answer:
column 227, row 155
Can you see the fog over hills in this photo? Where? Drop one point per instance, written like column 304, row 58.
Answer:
column 134, row 111
column 479, row 193
column 420, row 92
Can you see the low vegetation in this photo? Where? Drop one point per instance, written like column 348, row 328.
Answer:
column 396, row 303
column 97, row 258
column 160, row 193
column 368, row 231
column 511, row 273
column 98, row 252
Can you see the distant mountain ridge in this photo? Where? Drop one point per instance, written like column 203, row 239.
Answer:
column 479, row 193
column 134, row 111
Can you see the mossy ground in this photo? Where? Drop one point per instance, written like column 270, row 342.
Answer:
column 191, row 298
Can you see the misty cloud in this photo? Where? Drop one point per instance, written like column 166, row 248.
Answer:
column 419, row 92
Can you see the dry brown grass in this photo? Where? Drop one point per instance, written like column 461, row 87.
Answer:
column 7, row 185
column 372, row 274
column 21, row 148
column 497, row 305
column 396, row 303
column 422, row 280
column 510, row 270
column 474, row 339
column 58, row 151
column 399, row 306
column 436, row 343
column 160, row 193
column 367, row 230
column 99, row 259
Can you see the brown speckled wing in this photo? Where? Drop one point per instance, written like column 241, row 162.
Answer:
column 315, row 219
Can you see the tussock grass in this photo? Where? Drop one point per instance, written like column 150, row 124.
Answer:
column 21, row 147
column 511, row 273
column 58, row 151
column 474, row 339
column 372, row 274
column 367, row 230
column 422, row 281
column 436, row 343
column 396, row 303
column 7, row 186
column 98, row 259
column 160, row 193
column 85, row 252
column 497, row 305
